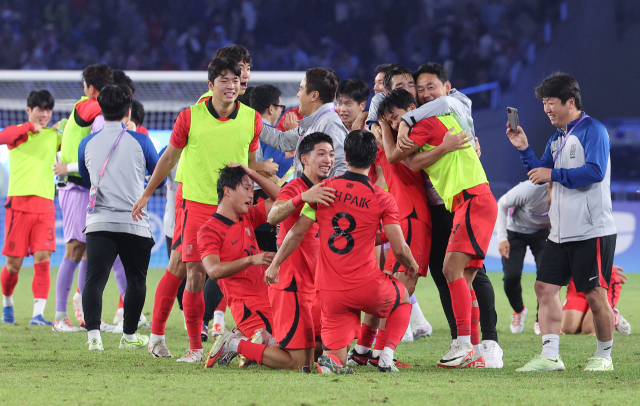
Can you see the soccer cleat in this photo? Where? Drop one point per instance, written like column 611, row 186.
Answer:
column 191, row 356
column 477, row 361
column 95, row 344
column 158, row 349
column 204, row 334
column 257, row 338
column 385, row 366
column 492, row 354
column 399, row 364
column 330, row 364
column 373, row 361
column 141, row 341
column 107, row 328
column 458, row 354
column 355, row 359
column 7, row 315
column 408, row 335
column 599, row 364
column 215, row 329
column 77, row 307
column 517, row 321
column 119, row 328
column 540, row 363
column 536, row 328
column 621, row 324
column 119, row 316
column 65, row 326
column 221, row 348
column 422, row 331
column 39, row 321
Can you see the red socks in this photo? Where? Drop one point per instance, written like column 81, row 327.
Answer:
column 397, row 323
column 120, row 303
column 193, row 305
column 367, row 334
column 381, row 338
column 41, row 281
column 166, row 293
column 461, row 303
column 8, row 281
column 251, row 350
column 475, row 320
column 222, row 306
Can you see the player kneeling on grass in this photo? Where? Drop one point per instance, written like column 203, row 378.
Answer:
column 112, row 163
column 30, row 216
column 347, row 275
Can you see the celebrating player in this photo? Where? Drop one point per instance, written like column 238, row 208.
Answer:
column 30, row 216
column 352, row 96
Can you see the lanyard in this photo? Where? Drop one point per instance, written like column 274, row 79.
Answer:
column 112, row 149
column 566, row 137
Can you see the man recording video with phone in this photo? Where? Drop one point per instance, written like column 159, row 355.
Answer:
column 582, row 239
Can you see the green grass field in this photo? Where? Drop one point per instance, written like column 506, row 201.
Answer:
column 38, row 366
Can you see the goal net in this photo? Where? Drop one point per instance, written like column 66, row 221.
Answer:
column 162, row 93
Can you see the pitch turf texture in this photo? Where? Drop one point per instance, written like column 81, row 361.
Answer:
column 38, row 366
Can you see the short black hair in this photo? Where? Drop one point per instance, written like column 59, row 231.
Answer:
column 40, row 98
column 114, row 101
column 360, row 149
column 396, row 71
column 218, row 66
column 264, row 96
column 230, row 177
column 562, row 86
column 384, row 68
column 137, row 112
column 434, row 69
column 310, row 141
column 357, row 90
column 399, row 98
column 119, row 77
column 324, row 82
column 97, row 76
column 236, row 52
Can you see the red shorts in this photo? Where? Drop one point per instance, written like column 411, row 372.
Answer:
column 176, row 242
column 341, row 308
column 26, row 233
column 417, row 234
column 296, row 318
column 473, row 222
column 577, row 301
column 195, row 215
column 251, row 314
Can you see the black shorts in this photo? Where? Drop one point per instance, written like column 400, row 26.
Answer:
column 588, row 262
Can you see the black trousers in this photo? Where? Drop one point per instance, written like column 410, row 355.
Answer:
column 102, row 249
column 512, row 266
column 442, row 223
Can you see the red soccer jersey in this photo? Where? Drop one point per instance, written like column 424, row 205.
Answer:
column 301, row 264
column 372, row 170
column 348, row 229
column 232, row 241
column 407, row 187
column 280, row 125
column 87, row 111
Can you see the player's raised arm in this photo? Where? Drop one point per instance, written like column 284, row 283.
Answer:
column 400, row 248
column 270, row 188
column 451, row 142
column 290, row 243
column 220, row 270
column 283, row 208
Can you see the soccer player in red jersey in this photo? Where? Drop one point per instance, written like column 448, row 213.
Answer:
column 460, row 180
column 205, row 138
column 30, row 216
column 347, row 276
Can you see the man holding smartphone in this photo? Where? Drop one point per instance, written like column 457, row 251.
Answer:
column 582, row 239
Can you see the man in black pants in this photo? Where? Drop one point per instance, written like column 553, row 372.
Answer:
column 523, row 220
column 115, row 159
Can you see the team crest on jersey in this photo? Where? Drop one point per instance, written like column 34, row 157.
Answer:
column 189, row 249
column 572, row 153
column 249, row 232
column 349, row 185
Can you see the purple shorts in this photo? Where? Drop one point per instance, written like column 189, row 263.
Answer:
column 74, row 200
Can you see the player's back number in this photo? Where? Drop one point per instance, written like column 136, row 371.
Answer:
column 339, row 232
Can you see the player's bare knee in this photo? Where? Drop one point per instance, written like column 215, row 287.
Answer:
column 42, row 256
column 13, row 264
column 546, row 292
column 407, row 297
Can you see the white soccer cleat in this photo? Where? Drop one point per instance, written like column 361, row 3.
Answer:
column 477, row 361
column 221, row 348
column 118, row 329
column 408, row 335
column 492, row 354
column 599, row 364
column 422, row 331
column 536, row 328
column 192, row 356
column 458, row 355
column 517, row 321
column 158, row 349
column 77, row 307
column 119, row 316
column 621, row 324
column 106, row 328
column 65, row 326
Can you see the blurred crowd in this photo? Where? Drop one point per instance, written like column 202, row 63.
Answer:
column 476, row 40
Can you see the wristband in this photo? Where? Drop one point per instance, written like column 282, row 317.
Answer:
column 297, row 201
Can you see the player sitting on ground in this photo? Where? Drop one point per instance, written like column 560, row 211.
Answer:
column 347, row 275
column 460, row 180
column 30, row 217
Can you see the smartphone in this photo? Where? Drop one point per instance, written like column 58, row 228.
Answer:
column 512, row 114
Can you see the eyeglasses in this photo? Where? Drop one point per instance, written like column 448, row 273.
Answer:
column 282, row 106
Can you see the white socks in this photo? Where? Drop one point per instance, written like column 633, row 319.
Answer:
column 156, row 337
column 129, row 337
column 604, row 349
column 7, row 301
column 218, row 317
column 235, row 342
column 93, row 334
column 550, row 345
column 464, row 339
column 60, row 316
column 417, row 317
column 376, row 353
column 362, row 349
column 38, row 306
